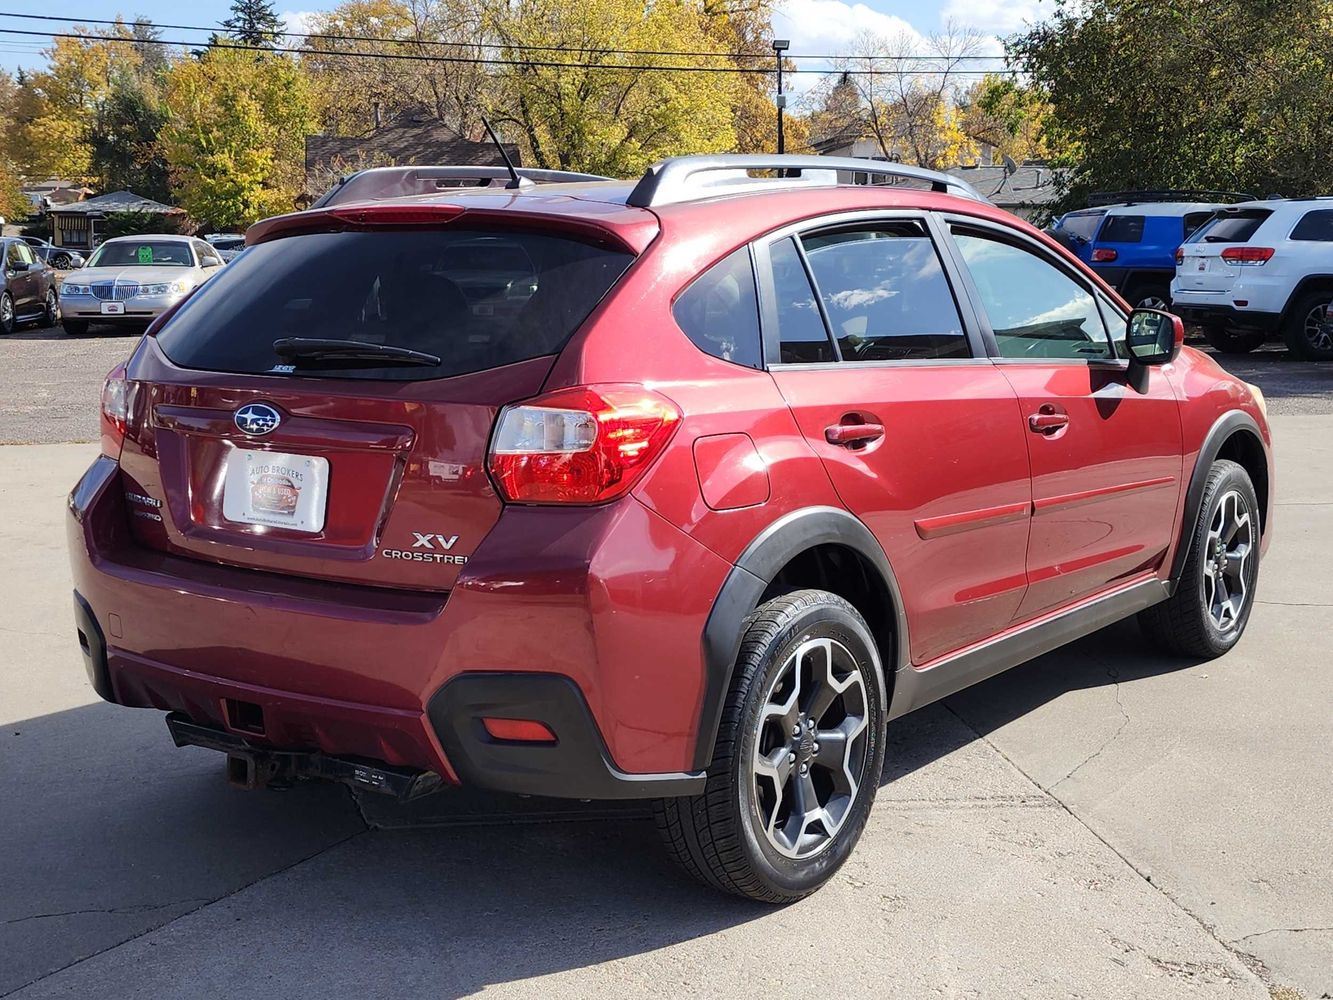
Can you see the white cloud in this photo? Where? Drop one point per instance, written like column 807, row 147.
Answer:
column 996, row 17
column 823, row 27
column 298, row 21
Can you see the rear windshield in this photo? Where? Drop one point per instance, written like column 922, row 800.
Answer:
column 1231, row 227
column 475, row 299
column 157, row 253
column 1122, row 229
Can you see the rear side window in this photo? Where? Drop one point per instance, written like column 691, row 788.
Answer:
column 1232, row 227
column 885, row 293
column 801, row 335
column 1122, row 229
column 1082, row 226
column 1315, row 227
column 719, row 312
column 475, row 299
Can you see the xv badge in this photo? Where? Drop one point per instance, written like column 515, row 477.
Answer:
column 429, row 541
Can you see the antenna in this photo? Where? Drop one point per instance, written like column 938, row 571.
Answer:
column 1010, row 167
column 514, row 180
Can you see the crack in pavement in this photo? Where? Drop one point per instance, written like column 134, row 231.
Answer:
column 129, row 910
column 1296, row 604
column 1282, row 930
column 1114, row 675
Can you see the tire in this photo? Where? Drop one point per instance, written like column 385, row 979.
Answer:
column 51, row 311
column 8, row 318
column 1151, row 296
column 1227, row 341
column 62, row 261
column 720, row 836
column 1187, row 623
column 1308, row 329
column 75, row 327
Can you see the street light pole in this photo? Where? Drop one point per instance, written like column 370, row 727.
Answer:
column 780, row 45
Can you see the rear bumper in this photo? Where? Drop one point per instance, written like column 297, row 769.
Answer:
column 402, row 678
column 1230, row 316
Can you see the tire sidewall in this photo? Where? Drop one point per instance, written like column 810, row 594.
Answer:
column 1229, row 478
column 1295, row 330
column 797, row 877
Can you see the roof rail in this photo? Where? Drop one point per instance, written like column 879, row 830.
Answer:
column 684, row 178
column 379, row 183
column 1100, row 198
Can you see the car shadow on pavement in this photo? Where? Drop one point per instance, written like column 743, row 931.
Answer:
column 113, row 832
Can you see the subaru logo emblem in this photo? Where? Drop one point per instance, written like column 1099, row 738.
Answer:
column 257, row 418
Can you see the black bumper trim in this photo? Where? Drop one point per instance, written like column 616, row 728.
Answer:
column 279, row 765
column 1242, row 318
column 93, row 646
column 575, row 766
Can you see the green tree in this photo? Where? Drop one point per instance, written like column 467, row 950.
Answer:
column 1226, row 94
column 235, row 135
column 590, row 114
column 125, row 151
column 1006, row 115
column 253, row 22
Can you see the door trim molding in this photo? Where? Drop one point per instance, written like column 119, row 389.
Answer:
column 1046, row 505
column 969, row 520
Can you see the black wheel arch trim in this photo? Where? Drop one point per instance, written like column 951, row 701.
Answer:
column 1308, row 284
column 762, row 560
column 1230, row 423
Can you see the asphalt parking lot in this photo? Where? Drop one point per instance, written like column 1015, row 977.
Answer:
column 1104, row 822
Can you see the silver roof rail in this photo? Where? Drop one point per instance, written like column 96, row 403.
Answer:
column 678, row 179
column 380, row 183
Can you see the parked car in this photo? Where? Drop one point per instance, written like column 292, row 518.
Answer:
column 61, row 258
column 1134, row 248
column 227, row 245
column 759, row 464
column 131, row 280
column 28, row 291
column 1075, row 230
column 1262, row 268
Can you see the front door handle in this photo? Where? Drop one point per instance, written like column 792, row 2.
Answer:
column 1047, row 420
column 853, row 435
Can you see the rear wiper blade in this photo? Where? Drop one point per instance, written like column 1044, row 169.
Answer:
column 374, row 355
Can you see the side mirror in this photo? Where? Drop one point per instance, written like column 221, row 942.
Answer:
column 37, row 265
column 209, row 262
column 1154, row 337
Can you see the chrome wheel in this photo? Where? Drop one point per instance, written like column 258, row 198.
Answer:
column 1154, row 302
column 1319, row 327
column 52, row 309
column 1226, row 568
column 810, row 751
column 6, row 313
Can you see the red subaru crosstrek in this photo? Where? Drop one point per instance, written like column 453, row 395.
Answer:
column 677, row 490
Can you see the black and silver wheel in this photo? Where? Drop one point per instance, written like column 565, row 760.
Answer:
column 1152, row 297
column 1225, row 340
column 1210, row 608
column 62, row 261
column 1308, row 329
column 798, row 757
column 7, row 316
column 50, row 309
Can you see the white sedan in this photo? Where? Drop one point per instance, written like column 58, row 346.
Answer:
column 130, row 280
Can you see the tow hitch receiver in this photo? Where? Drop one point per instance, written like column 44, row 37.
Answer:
column 250, row 766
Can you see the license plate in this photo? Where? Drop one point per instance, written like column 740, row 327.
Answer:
column 275, row 489
column 113, row 308
column 1202, row 265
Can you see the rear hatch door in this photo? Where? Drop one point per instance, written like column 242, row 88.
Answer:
column 317, row 461
column 1201, row 267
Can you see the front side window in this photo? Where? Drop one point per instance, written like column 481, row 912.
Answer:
column 1036, row 311
column 12, row 258
column 719, row 312
column 885, row 293
column 802, row 337
column 1315, row 227
column 25, row 254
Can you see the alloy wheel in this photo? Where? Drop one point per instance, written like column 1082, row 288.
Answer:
column 6, row 313
column 1230, row 547
column 810, row 752
column 1154, row 302
column 52, row 308
column 1319, row 327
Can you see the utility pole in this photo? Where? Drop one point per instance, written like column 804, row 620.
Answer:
column 780, row 45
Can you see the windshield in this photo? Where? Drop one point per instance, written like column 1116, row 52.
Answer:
column 133, row 253
column 474, row 299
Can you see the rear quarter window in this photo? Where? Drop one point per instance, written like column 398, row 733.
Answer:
column 719, row 312
column 1315, row 227
column 476, row 299
column 1121, row 229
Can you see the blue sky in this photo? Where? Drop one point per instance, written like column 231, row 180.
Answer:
column 813, row 25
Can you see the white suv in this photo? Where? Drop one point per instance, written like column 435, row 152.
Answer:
column 1258, row 268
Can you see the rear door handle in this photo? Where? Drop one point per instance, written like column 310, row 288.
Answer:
column 851, row 435
column 1047, row 421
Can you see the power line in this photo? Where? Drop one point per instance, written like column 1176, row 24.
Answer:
column 482, row 61
column 513, row 47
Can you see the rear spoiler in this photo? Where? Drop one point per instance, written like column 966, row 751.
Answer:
column 381, row 183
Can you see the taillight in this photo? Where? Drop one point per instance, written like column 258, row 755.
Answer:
column 583, row 445
column 1104, row 255
column 1180, row 256
column 115, row 410
column 1248, row 256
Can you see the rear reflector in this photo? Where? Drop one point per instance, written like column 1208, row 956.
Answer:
column 1104, row 255
column 1248, row 256
column 518, row 730
column 583, row 445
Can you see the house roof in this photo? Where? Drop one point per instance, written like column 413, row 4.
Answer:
column 1035, row 183
column 116, row 201
column 410, row 140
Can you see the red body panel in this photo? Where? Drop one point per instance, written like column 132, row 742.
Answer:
column 984, row 522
